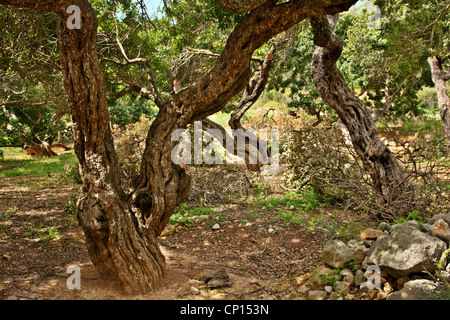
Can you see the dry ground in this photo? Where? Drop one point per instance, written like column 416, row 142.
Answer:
column 262, row 254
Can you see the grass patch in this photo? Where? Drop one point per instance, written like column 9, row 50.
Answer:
column 13, row 167
column 50, row 233
column 184, row 216
column 304, row 200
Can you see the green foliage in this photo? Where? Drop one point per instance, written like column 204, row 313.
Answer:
column 292, row 216
column 184, row 215
column 46, row 236
column 304, row 200
column 6, row 215
column 30, row 78
column 331, row 278
column 52, row 233
column 415, row 215
column 431, row 140
column 414, row 31
column 124, row 113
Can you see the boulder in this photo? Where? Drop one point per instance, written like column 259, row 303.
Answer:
column 405, row 251
column 359, row 277
column 436, row 217
column 314, row 280
column 360, row 254
column 347, row 276
column 317, row 295
column 342, row 287
column 414, row 290
column 336, row 254
column 410, row 223
column 441, row 230
column 370, row 234
column 384, row 226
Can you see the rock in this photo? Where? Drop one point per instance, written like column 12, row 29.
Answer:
column 410, row 223
column 447, row 218
column 368, row 243
column 218, row 280
column 314, row 280
column 388, row 288
column 349, row 297
column 446, row 275
column 195, row 282
column 336, row 254
column 381, row 295
column 414, row 290
column 194, row 290
column 425, row 227
column 441, row 230
column 352, row 243
column 405, row 251
column 364, row 287
column 402, row 281
column 359, row 277
column 342, row 287
column 303, row 289
column 216, row 227
column 436, row 217
column 317, row 295
column 384, row 226
column 360, row 254
column 347, row 276
column 373, row 293
column 370, row 234
column 328, row 289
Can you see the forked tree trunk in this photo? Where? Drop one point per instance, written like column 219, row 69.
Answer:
column 439, row 79
column 395, row 195
column 121, row 229
column 120, row 249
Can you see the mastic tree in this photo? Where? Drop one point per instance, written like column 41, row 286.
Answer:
column 418, row 45
column 122, row 228
column 32, row 96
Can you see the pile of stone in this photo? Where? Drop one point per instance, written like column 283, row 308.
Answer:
column 392, row 262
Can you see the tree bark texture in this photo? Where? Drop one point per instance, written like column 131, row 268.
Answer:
column 121, row 229
column 395, row 195
column 439, row 80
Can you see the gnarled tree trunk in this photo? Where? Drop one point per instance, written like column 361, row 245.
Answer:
column 121, row 229
column 395, row 195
